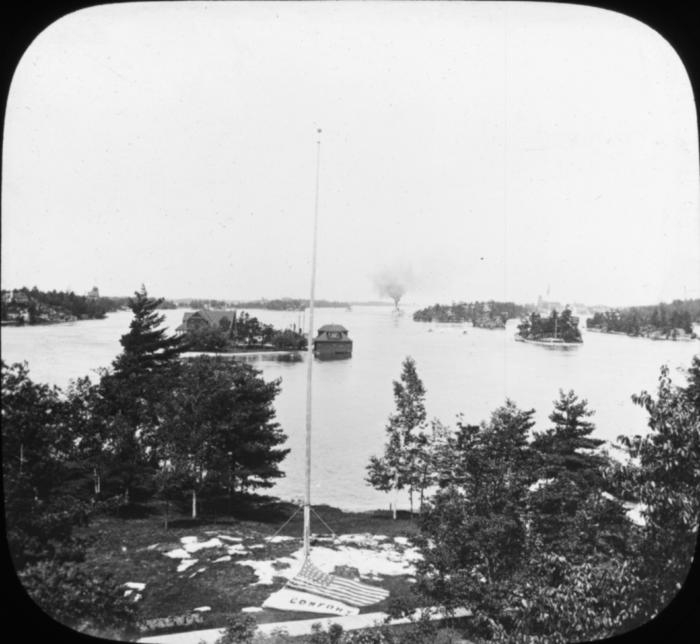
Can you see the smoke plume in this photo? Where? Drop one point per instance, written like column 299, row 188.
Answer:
column 394, row 282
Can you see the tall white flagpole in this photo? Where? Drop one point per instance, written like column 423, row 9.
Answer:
column 310, row 362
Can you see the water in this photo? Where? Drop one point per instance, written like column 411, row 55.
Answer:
column 465, row 370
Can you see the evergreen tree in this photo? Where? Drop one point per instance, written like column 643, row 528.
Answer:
column 403, row 452
column 130, row 392
column 567, row 447
column 567, row 507
column 146, row 347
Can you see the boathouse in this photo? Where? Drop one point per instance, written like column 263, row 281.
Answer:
column 332, row 343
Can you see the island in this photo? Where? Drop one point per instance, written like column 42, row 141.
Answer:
column 558, row 329
column 486, row 315
column 32, row 306
column 232, row 331
column 657, row 322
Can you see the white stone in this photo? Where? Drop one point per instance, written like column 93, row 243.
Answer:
column 278, row 539
column 178, row 553
column 238, row 549
column 188, row 539
column 185, row 564
column 135, row 585
column 194, row 547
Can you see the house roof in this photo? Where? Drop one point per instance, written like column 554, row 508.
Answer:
column 332, row 328
column 214, row 317
column 211, row 316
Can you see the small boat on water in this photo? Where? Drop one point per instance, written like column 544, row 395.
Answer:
column 548, row 342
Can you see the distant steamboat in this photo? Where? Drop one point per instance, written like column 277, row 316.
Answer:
column 332, row 343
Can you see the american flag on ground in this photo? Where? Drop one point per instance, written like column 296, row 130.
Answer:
column 312, row 580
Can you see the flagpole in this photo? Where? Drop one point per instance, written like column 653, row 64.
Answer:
column 310, row 361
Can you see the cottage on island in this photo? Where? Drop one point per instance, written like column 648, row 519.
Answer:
column 207, row 318
column 332, row 343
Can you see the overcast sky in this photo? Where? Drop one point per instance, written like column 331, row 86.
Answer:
column 495, row 150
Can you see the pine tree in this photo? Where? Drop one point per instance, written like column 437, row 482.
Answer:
column 567, row 447
column 568, row 501
column 140, row 376
column 146, row 347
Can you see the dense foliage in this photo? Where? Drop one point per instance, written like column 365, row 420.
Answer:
column 559, row 326
column 665, row 320
column 489, row 314
column 663, row 474
column 533, row 532
column 246, row 332
column 216, row 428
column 153, row 426
column 43, row 505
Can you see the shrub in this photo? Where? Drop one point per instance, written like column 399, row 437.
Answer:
column 85, row 601
column 240, row 629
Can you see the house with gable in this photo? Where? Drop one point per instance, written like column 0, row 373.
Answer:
column 206, row 318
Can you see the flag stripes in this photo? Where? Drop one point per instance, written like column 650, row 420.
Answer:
column 311, row 579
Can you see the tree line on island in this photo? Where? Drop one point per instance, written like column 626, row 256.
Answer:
column 239, row 331
column 32, row 306
column 490, row 314
column 562, row 327
column 667, row 321
column 275, row 304
column 534, row 531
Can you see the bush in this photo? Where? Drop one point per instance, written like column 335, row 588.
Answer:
column 240, row 629
column 87, row 602
column 206, row 339
column 288, row 340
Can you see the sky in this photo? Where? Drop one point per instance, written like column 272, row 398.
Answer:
column 480, row 150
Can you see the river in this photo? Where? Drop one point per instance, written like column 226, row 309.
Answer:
column 465, row 370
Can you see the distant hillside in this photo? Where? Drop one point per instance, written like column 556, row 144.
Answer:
column 288, row 304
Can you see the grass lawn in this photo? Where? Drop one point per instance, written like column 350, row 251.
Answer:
column 136, row 550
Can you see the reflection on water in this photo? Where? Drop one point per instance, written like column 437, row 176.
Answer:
column 469, row 373
column 254, row 356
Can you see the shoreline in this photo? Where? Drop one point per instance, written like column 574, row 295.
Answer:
column 683, row 338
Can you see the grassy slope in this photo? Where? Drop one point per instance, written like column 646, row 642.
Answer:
column 131, row 549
